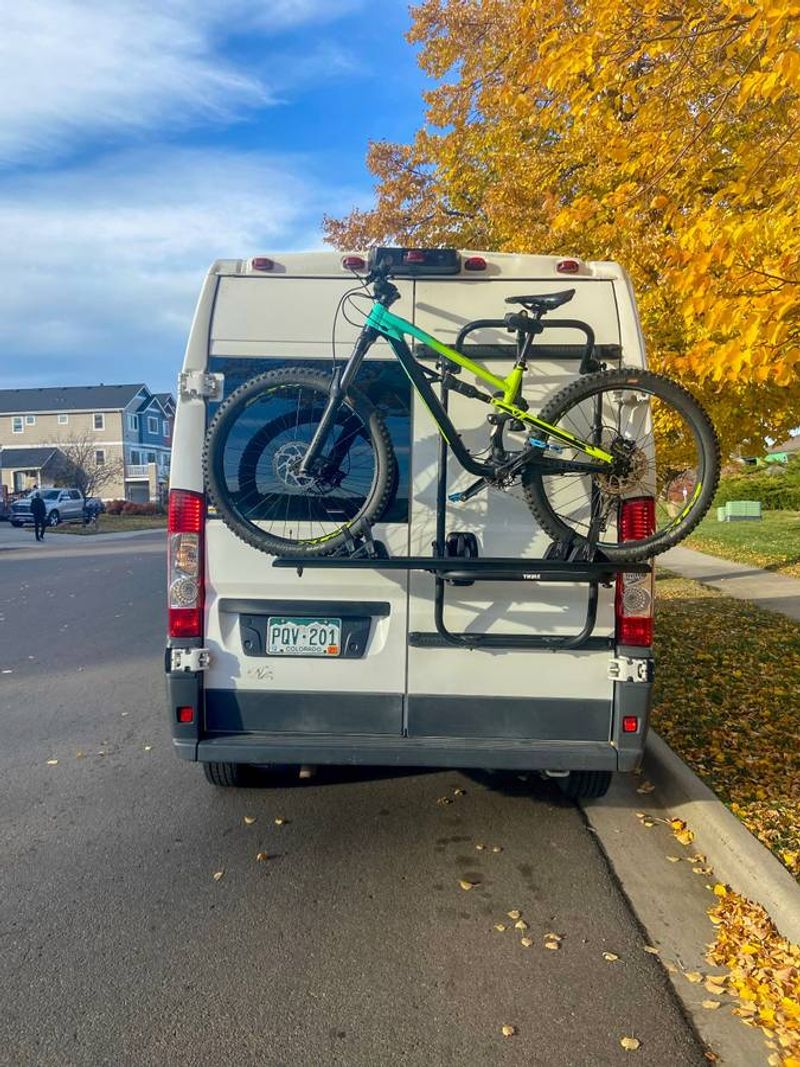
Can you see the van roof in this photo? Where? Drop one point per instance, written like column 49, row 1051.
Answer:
column 508, row 264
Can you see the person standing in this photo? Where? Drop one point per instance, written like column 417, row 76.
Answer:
column 39, row 513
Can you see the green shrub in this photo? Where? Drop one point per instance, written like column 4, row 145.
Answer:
column 778, row 488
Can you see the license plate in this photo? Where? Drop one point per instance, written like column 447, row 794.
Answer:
column 303, row 636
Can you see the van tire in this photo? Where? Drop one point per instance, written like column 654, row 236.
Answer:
column 225, row 774
column 53, row 519
column 384, row 485
column 585, row 785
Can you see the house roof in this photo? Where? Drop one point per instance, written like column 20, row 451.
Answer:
column 167, row 401
column 67, row 398
column 791, row 444
column 32, row 458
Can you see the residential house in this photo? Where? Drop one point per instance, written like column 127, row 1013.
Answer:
column 126, row 422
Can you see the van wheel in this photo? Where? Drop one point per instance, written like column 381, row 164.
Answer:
column 223, row 774
column 53, row 519
column 585, row 785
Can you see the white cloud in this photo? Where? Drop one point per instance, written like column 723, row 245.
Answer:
column 76, row 69
column 103, row 264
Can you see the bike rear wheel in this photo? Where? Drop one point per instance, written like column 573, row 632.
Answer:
column 252, row 455
column 672, row 454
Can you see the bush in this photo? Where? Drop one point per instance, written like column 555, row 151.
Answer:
column 114, row 507
column 131, row 508
column 778, row 488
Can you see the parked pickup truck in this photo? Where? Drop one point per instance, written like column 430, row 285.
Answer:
column 63, row 505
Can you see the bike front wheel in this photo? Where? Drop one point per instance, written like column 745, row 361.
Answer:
column 669, row 451
column 255, row 446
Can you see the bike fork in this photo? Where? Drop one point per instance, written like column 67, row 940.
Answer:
column 341, row 382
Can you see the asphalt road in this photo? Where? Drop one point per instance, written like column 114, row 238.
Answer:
column 352, row 944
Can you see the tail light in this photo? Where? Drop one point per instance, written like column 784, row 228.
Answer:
column 262, row 263
column 185, row 578
column 354, row 263
column 568, row 266
column 475, row 263
column 634, row 593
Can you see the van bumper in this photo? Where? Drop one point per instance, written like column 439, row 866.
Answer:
column 614, row 750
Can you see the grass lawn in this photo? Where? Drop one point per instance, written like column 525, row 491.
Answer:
column 772, row 543
column 726, row 699
column 113, row 524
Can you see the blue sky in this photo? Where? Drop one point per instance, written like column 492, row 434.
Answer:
column 142, row 139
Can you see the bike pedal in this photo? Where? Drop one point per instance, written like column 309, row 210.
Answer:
column 455, row 498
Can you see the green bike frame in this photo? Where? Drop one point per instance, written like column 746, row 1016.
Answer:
column 395, row 329
column 382, row 323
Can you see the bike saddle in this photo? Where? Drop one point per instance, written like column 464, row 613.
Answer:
column 540, row 304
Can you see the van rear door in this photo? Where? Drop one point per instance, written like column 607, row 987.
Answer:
column 536, row 696
column 260, row 323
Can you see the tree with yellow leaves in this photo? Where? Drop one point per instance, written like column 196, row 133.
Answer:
column 662, row 135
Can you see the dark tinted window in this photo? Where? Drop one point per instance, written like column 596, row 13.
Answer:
column 383, row 381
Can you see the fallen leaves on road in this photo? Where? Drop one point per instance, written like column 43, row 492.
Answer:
column 763, row 971
column 496, row 848
column 444, row 801
column 630, row 1044
column 261, row 856
column 728, row 707
column 480, row 847
column 693, row 976
column 466, row 885
column 249, row 820
column 652, row 950
column 646, row 787
column 526, row 942
column 674, row 859
column 218, row 874
column 610, row 957
column 281, row 821
column 500, row 927
column 681, row 831
column 508, row 1030
column 459, row 792
column 711, row 1004
column 52, row 762
column 515, row 913
column 520, row 924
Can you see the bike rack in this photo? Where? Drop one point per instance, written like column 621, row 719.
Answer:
column 562, row 563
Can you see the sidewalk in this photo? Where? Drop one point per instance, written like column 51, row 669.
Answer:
column 773, row 592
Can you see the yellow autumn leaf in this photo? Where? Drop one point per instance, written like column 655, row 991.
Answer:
column 217, row 875
column 515, row 913
column 249, row 820
column 520, row 924
column 693, row 976
column 526, row 942
column 261, row 856
column 52, row 762
column 508, row 1030
column 281, row 821
column 711, row 1004
column 500, row 927
column 466, row 886
column 630, row 1044
column 611, row 957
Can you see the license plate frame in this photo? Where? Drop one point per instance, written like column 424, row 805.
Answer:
column 302, row 644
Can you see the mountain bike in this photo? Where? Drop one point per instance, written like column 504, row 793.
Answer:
column 300, row 463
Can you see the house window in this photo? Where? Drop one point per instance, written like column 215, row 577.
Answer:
column 30, row 420
column 136, row 458
column 100, row 456
column 152, row 424
column 99, row 421
column 63, row 420
column 133, row 423
column 166, row 429
column 151, row 457
column 16, row 424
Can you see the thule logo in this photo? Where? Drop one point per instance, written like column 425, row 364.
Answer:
column 532, row 576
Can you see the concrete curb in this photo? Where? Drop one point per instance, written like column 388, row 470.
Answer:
column 738, row 858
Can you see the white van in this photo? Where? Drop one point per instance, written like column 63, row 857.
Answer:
column 562, row 683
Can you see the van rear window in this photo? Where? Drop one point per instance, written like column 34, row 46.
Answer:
column 382, row 380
